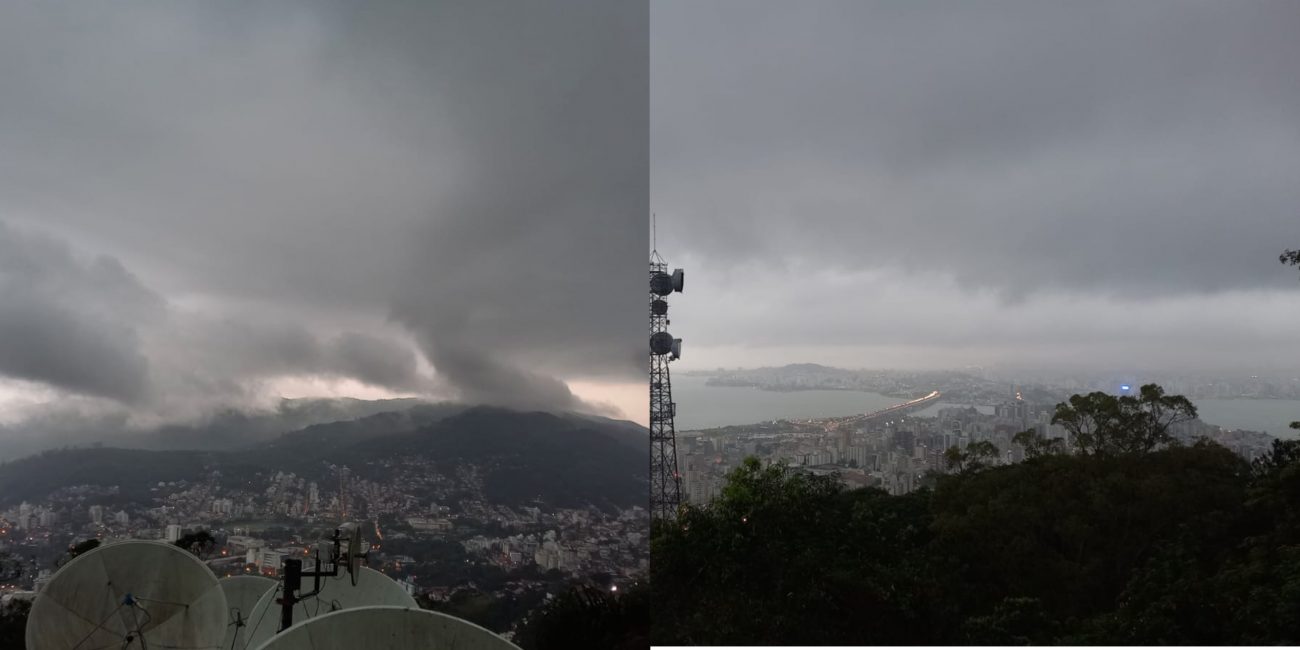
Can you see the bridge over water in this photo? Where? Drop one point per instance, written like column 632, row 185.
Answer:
column 897, row 409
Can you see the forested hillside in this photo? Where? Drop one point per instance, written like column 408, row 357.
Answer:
column 1180, row 545
column 521, row 457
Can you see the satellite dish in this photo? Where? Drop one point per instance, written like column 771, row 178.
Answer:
column 372, row 588
column 352, row 548
column 661, row 283
column 677, row 348
column 134, row 594
column 659, row 307
column 679, row 280
column 354, row 554
column 242, row 593
column 661, row 343
column 391, row 628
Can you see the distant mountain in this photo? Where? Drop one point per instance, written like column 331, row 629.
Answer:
column 957, row 386
column 563, row 460
column 134, row 471
column 326, row 438
column 628, row 433
column 232, row 427
column 224, row 429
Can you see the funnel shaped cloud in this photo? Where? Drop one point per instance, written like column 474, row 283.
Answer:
column 201, row 204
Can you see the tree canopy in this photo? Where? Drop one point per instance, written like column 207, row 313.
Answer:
column 1101, row 423
column 198, row 542
column 78, row 548
column 1177, row 544
column 1036, row 444
column 587, row 616
column 976, row 456
column 13, row 624
column 1290, row 257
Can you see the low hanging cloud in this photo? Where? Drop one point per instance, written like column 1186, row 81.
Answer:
column 894, row 319
column 532, row 266
column 88, row 326
column 1008, row 179
column 435, row 199
column 69, row 322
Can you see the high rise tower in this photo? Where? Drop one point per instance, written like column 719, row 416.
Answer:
column 665, row 482
column 344, row 473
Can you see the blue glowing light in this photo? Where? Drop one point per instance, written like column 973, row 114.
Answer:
column 1124, row 387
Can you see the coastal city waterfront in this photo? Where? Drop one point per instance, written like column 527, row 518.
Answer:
column 889, row 442
column 716, row 405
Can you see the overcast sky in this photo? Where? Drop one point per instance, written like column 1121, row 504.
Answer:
column 214, row 204
column 936, row 184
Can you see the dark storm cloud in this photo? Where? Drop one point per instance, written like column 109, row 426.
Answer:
column 1128, row 148
column 941, row 183
column 373, row 360
column 528, row 265
column 322, row 188
column 211, row 351
column 89, row 326
column 71, row 322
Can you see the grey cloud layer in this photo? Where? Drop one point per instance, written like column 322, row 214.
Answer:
column 537, row 260
column 893, row 319
column 1136, row 148
column 87, row 325
column 71, row 322
column 939, row 183
column 331, row 185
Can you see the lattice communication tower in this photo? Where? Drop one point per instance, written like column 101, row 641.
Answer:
column 665, row 482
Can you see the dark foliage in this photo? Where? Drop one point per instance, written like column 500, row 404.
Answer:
column 11, row 568
column 482, row 608
column 1180, row 545
column 199, row 542
column 1101, row 423
column 786, row 558
column 1036, row 444
column 587, row 617
column 134, row 470
column 1290, row 257
column 84, row 546
column 974, row 458
column 13, row 624
column 568, row 462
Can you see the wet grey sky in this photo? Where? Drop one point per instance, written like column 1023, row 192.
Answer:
column 205, row 205
column 936, row 184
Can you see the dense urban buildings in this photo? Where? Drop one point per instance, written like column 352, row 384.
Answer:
column 453, row 545
column 896, row 451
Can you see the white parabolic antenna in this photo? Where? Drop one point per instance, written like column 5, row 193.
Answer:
column 390, row 628
column 134, row 594
column 242, row 593
column 372, row 588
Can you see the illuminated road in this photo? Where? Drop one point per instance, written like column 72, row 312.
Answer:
column 897, row 409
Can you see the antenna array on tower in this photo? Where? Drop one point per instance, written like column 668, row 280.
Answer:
column 665, row 482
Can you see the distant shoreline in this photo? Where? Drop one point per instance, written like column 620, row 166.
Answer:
column 713, row 383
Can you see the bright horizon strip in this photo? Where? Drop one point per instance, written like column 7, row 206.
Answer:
column 618, row 400
column 630, row 399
